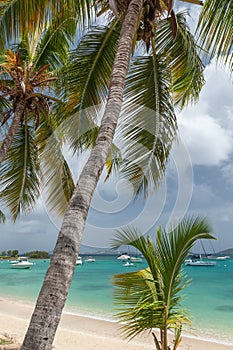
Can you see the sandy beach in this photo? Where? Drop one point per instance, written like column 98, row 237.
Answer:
column 85, row 333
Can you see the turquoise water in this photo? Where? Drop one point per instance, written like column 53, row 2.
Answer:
column 209, row 298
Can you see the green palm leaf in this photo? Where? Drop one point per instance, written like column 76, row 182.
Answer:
column 113, row 161
column 147, row 123
column 4, row 107
column 57, row 178
column 20, row 16
column 137, row 302
column 183, row 58
column 215, row 29
column 86, row 78
column 62, row 30
column 87, row 75
column 20, row 173
column 2, row 217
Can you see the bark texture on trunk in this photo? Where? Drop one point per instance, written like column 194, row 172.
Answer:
column 53, row 294
column 7, row 141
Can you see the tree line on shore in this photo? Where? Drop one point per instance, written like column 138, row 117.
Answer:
column 36, row 254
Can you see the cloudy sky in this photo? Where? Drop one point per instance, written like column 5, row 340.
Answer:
column 199, row 180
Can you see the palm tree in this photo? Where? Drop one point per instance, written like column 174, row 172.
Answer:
column 150, row 298
column 22, row 85
column 27, row 98
column 138, row 19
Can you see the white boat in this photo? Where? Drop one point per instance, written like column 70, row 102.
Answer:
column 191, row 262
column 223, row 257
column 21, row 263
column 79, row 261
column 123, row 257
column 128, row 264
column 214, row 257
column 135, row 260
column 89, row 259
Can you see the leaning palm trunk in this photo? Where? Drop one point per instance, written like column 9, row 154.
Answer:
column 53, row 294
column 7, row 141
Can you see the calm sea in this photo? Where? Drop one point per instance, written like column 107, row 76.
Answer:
column 209, row 298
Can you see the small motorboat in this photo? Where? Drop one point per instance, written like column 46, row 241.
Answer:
column 123, row 257
column 79, row 261
column 89, row 259
column 128, row 264
column 135, row 259
column 21, row 263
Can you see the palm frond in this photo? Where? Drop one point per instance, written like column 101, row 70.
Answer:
column 138, row 304
column 4, row 107
column 183, row 57
column 214, row 29
column 20, row 16
column 113, row 161
column 48, row 51
column 80, row 131
column 147, row 122
column 87, row 76
column 20, row 173
column 86, row 79
column 57, row 178
column 133, row 237
column 173, row 248
column 2, row 217
column 195, row 2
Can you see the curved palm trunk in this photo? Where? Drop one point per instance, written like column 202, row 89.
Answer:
column 7, row 141
column 53, row 294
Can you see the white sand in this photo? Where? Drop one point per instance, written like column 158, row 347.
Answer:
column 84, row 333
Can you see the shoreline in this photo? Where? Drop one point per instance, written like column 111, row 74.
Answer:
column 87, row 331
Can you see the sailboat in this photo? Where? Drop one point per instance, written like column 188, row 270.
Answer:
column 199, row 262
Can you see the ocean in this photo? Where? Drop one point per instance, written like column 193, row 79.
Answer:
column 208, row 299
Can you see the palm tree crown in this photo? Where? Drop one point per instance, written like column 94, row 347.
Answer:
column 22, row 82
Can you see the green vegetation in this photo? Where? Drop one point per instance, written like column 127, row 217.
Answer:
column 10, row 253
column 151, row 298
column 37, row 254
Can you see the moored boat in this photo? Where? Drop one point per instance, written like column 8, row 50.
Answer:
column 21, row 263
column 89, row 259
column 191, row 262
column 135, row 259
column 223, row 257
column 123, row 257
column 79, row 261
column 128, row 264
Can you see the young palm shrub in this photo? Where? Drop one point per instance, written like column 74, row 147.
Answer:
column 151, row 298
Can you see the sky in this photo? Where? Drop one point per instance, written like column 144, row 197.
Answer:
column 199, row 180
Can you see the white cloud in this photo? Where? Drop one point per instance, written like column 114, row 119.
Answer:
column 206, row 128
column 207, row 141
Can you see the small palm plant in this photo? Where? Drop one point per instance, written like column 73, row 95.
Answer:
column 150, row 298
